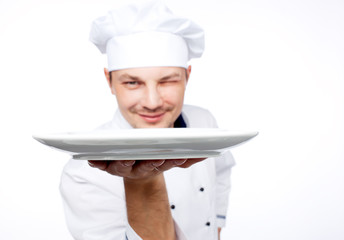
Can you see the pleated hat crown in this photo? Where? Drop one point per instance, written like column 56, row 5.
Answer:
column 145, row 34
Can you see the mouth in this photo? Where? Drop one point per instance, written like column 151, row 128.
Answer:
column 152, row 118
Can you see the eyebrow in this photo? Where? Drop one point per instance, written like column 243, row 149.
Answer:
column 170, row 76
column 136, row 78
column 127, row 76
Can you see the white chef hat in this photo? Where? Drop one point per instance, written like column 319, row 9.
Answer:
column 146, row 34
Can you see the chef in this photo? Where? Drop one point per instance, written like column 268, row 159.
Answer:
column 148, row 49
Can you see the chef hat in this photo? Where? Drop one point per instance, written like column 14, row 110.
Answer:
column 146, row 34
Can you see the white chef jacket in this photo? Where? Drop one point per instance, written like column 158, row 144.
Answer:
column 94, row 201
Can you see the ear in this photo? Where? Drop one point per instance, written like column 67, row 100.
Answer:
column 108, row 79
column 188, row 72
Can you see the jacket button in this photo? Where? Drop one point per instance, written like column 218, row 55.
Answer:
column 173, row 207
column 208, row 224
column 201, row 189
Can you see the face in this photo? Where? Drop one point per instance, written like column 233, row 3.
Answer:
column 150, row 97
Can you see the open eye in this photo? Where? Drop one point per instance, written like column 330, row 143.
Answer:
column 132, row 83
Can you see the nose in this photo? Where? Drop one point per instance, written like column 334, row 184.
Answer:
column 152, row 99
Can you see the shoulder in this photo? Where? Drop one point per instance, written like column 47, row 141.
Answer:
column 104, row 126
column 198, row 117
column 78, row 176
column 117, row 122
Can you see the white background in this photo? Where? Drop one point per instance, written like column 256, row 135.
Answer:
column 272, row 66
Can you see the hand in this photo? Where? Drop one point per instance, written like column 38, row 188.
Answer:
column 141, row 169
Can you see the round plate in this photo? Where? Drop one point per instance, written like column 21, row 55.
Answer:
column 157, row 143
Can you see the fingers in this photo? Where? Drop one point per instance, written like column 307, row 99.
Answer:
column 102, row 165
column 120, row 168
column 179, row 162
column 190, row 162
column 145, row 168
column 129, row 168
column 170, row 163
column 182, row 163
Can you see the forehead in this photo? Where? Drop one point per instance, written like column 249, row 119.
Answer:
column 149, row 72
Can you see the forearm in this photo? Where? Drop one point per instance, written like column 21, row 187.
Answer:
column 148, row 208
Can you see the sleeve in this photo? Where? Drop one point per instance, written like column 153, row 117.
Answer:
column 94, row 204
column 131, row 234
column 224, row 164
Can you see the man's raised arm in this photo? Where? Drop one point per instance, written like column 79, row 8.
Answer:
column 148, row 209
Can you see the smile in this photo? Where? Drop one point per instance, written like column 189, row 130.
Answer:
column 152, row 118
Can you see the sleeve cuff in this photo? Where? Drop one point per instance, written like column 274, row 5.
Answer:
column 220, row 221
column 130, row 234
column 179, row 233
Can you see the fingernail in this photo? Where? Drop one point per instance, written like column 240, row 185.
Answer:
column 179, row 162
column 91, row 164
column 158, row 164
column 129, row 163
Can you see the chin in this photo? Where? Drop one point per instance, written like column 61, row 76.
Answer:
column 160, row 124
column 157, row 125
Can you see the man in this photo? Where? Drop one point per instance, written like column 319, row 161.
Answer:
column 148, row 49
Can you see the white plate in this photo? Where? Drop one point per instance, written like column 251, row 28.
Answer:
column 139, row 144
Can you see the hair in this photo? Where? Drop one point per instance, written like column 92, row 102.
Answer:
column 110, row 77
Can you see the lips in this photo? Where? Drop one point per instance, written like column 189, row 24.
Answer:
column 152, row 118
